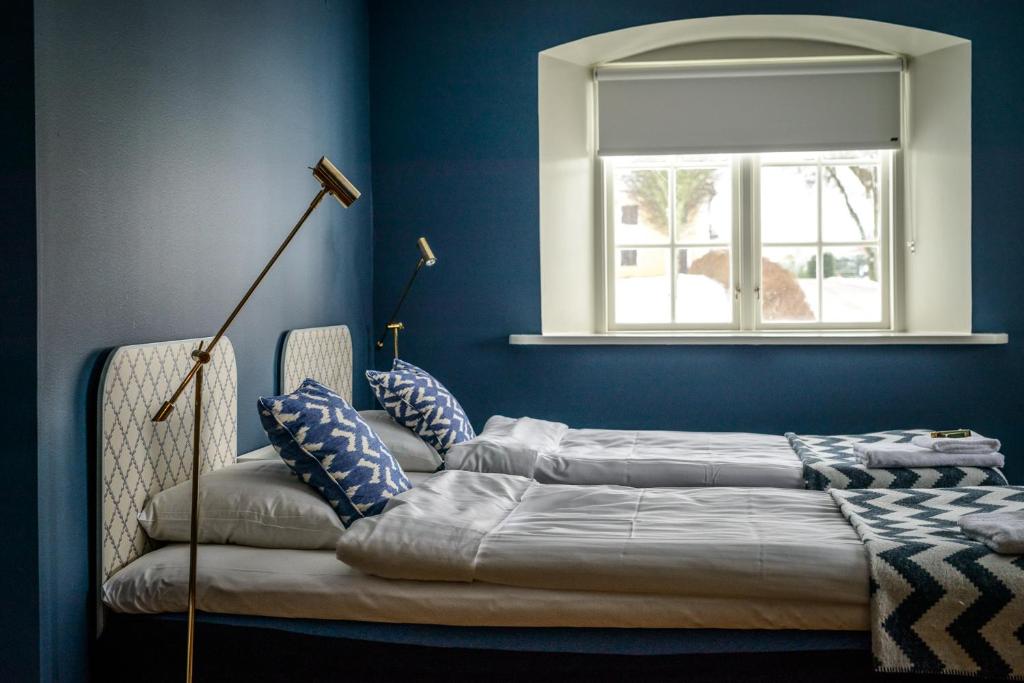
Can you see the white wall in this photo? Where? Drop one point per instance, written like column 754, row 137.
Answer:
column 938, row 273
column 567, row 218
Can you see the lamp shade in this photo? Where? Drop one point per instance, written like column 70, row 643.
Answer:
column 335, row 182
column 425, row 252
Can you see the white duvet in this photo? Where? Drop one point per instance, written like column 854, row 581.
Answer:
column 702, row 542
column 551, row 452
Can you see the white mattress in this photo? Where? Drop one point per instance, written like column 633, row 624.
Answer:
column 314, row 584
column 552, row 453
column 710, row 542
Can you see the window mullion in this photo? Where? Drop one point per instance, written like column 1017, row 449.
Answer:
column 672, row 265
column 749, row 249
column 820, row 269
column 609, row 242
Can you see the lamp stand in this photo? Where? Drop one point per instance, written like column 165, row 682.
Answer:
column 428, row 259
column 332, row 182
column 401, row 300
column 193, row 534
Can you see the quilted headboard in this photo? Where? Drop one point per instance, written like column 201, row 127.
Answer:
column 139, row 458
column 322, row 353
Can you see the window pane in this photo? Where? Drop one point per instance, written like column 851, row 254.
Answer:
column 789, row 204
column 643, row 286
column 703, row 286
column 851, row 288
column 641, row 206
column 850, row 203
column 789, row 157
column 866, row 155
column 704, row 205
column 789, row 284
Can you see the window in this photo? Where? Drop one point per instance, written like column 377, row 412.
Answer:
column 729, row 241
column 745, row 85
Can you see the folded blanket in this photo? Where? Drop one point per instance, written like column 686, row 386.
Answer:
column 829, row 461
column 1003, row 532
column 940, row 602
column 976, row 443
column 912, row 455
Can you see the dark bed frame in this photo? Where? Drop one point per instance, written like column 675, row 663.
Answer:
column 239, row 648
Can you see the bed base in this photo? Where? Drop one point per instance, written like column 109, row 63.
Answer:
column 271, row 649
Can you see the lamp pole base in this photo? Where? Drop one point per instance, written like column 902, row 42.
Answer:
column 193, row 538
column 395, row 327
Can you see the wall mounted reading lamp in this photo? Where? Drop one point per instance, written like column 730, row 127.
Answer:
column 428, row 259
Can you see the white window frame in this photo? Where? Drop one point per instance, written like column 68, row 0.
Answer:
column 746, row 251
column 611, row 248
column 884, row 249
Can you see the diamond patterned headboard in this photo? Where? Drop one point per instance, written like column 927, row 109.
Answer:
column 139, row 458
column 322, row 353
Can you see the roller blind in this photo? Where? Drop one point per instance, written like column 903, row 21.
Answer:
column 749, row 107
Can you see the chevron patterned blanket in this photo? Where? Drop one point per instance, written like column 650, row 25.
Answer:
column 830, row 462
column 941, row 603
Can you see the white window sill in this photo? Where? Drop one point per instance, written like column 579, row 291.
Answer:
column 757, row 339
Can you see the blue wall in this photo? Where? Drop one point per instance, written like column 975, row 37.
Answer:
column 19, row 652
column 173, row 145
column 454, row 102
column 172, row 141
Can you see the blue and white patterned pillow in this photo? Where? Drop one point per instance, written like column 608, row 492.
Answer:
column 417, row 400
column 326, row 443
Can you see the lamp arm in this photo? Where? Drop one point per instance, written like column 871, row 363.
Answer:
column 401, row 300
column 202, row 356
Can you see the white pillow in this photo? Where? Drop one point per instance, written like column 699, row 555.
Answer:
column 259, row 503
column 412, row 453
column 507, row 446
column 267, row 452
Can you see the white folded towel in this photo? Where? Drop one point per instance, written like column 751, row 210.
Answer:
column 911, row 455
column 1001, row 531
column 975, row 443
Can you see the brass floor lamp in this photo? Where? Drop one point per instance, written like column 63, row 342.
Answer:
column 331, row 182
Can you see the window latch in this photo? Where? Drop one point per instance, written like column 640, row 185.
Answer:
column 757, row 292
column 736, row 294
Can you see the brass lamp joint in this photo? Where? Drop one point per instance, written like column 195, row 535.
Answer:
column 165, row 411
column 395, row 327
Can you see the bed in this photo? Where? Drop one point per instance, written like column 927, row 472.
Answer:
column 553, row 453
column 138, row 460
column 792, row 580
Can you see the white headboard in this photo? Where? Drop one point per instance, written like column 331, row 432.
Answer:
column 139, row 458
column 321, row 353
